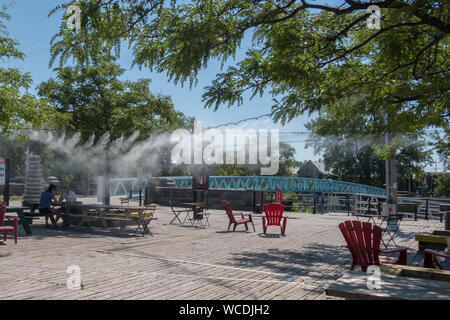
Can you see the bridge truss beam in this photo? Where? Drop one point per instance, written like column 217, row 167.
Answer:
column 124, row 186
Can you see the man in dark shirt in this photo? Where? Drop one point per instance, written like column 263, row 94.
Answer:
column 45, row 204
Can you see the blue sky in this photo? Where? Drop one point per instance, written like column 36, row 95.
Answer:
column 33, row 29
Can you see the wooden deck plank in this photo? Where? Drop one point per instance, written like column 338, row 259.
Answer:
column 185, row 262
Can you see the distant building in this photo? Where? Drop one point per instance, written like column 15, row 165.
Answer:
column 294, row 171
column 313, row 169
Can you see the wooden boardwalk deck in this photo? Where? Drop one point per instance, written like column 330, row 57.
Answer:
column 181, row 262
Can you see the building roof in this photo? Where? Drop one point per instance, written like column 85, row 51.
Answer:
column 319, row 165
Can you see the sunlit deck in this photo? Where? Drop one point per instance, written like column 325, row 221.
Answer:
column 183, row 262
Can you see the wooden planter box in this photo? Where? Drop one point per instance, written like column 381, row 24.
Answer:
column 397, row 283
column 415, row 272
column 436, row 240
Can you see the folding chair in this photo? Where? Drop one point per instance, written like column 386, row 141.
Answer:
column 144, row 218
column 206, row 220
column 177, row 214
column 206, row 216
column 391, row 229
column 200, row 216
column 202, row 219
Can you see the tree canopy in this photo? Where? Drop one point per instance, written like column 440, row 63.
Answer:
column 354, row 156
column 442, row 145
column 443, row 186
column 18, row 108
column 356, row 160
column 99, row 102
column 307, row 55
column 119, row 121
column 287, row 165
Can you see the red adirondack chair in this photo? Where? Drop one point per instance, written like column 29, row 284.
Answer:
column 278, row 196
column 233, row 220
column 6, row 229
column 431, row 259
column 363, row 240
column 273, row 216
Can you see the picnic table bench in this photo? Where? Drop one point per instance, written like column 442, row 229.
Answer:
column 84, row 214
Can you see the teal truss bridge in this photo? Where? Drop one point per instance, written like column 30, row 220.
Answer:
column 267, row 183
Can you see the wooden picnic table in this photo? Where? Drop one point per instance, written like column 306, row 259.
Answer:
column 26, row 215
column 88, row 208
column 353, row 286
column 99, row 212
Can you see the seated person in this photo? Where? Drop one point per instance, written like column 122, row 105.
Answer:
column 45, row 204
column 67, row 195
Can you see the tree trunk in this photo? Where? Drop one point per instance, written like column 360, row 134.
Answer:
column 391, row 171
column 391, row 181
